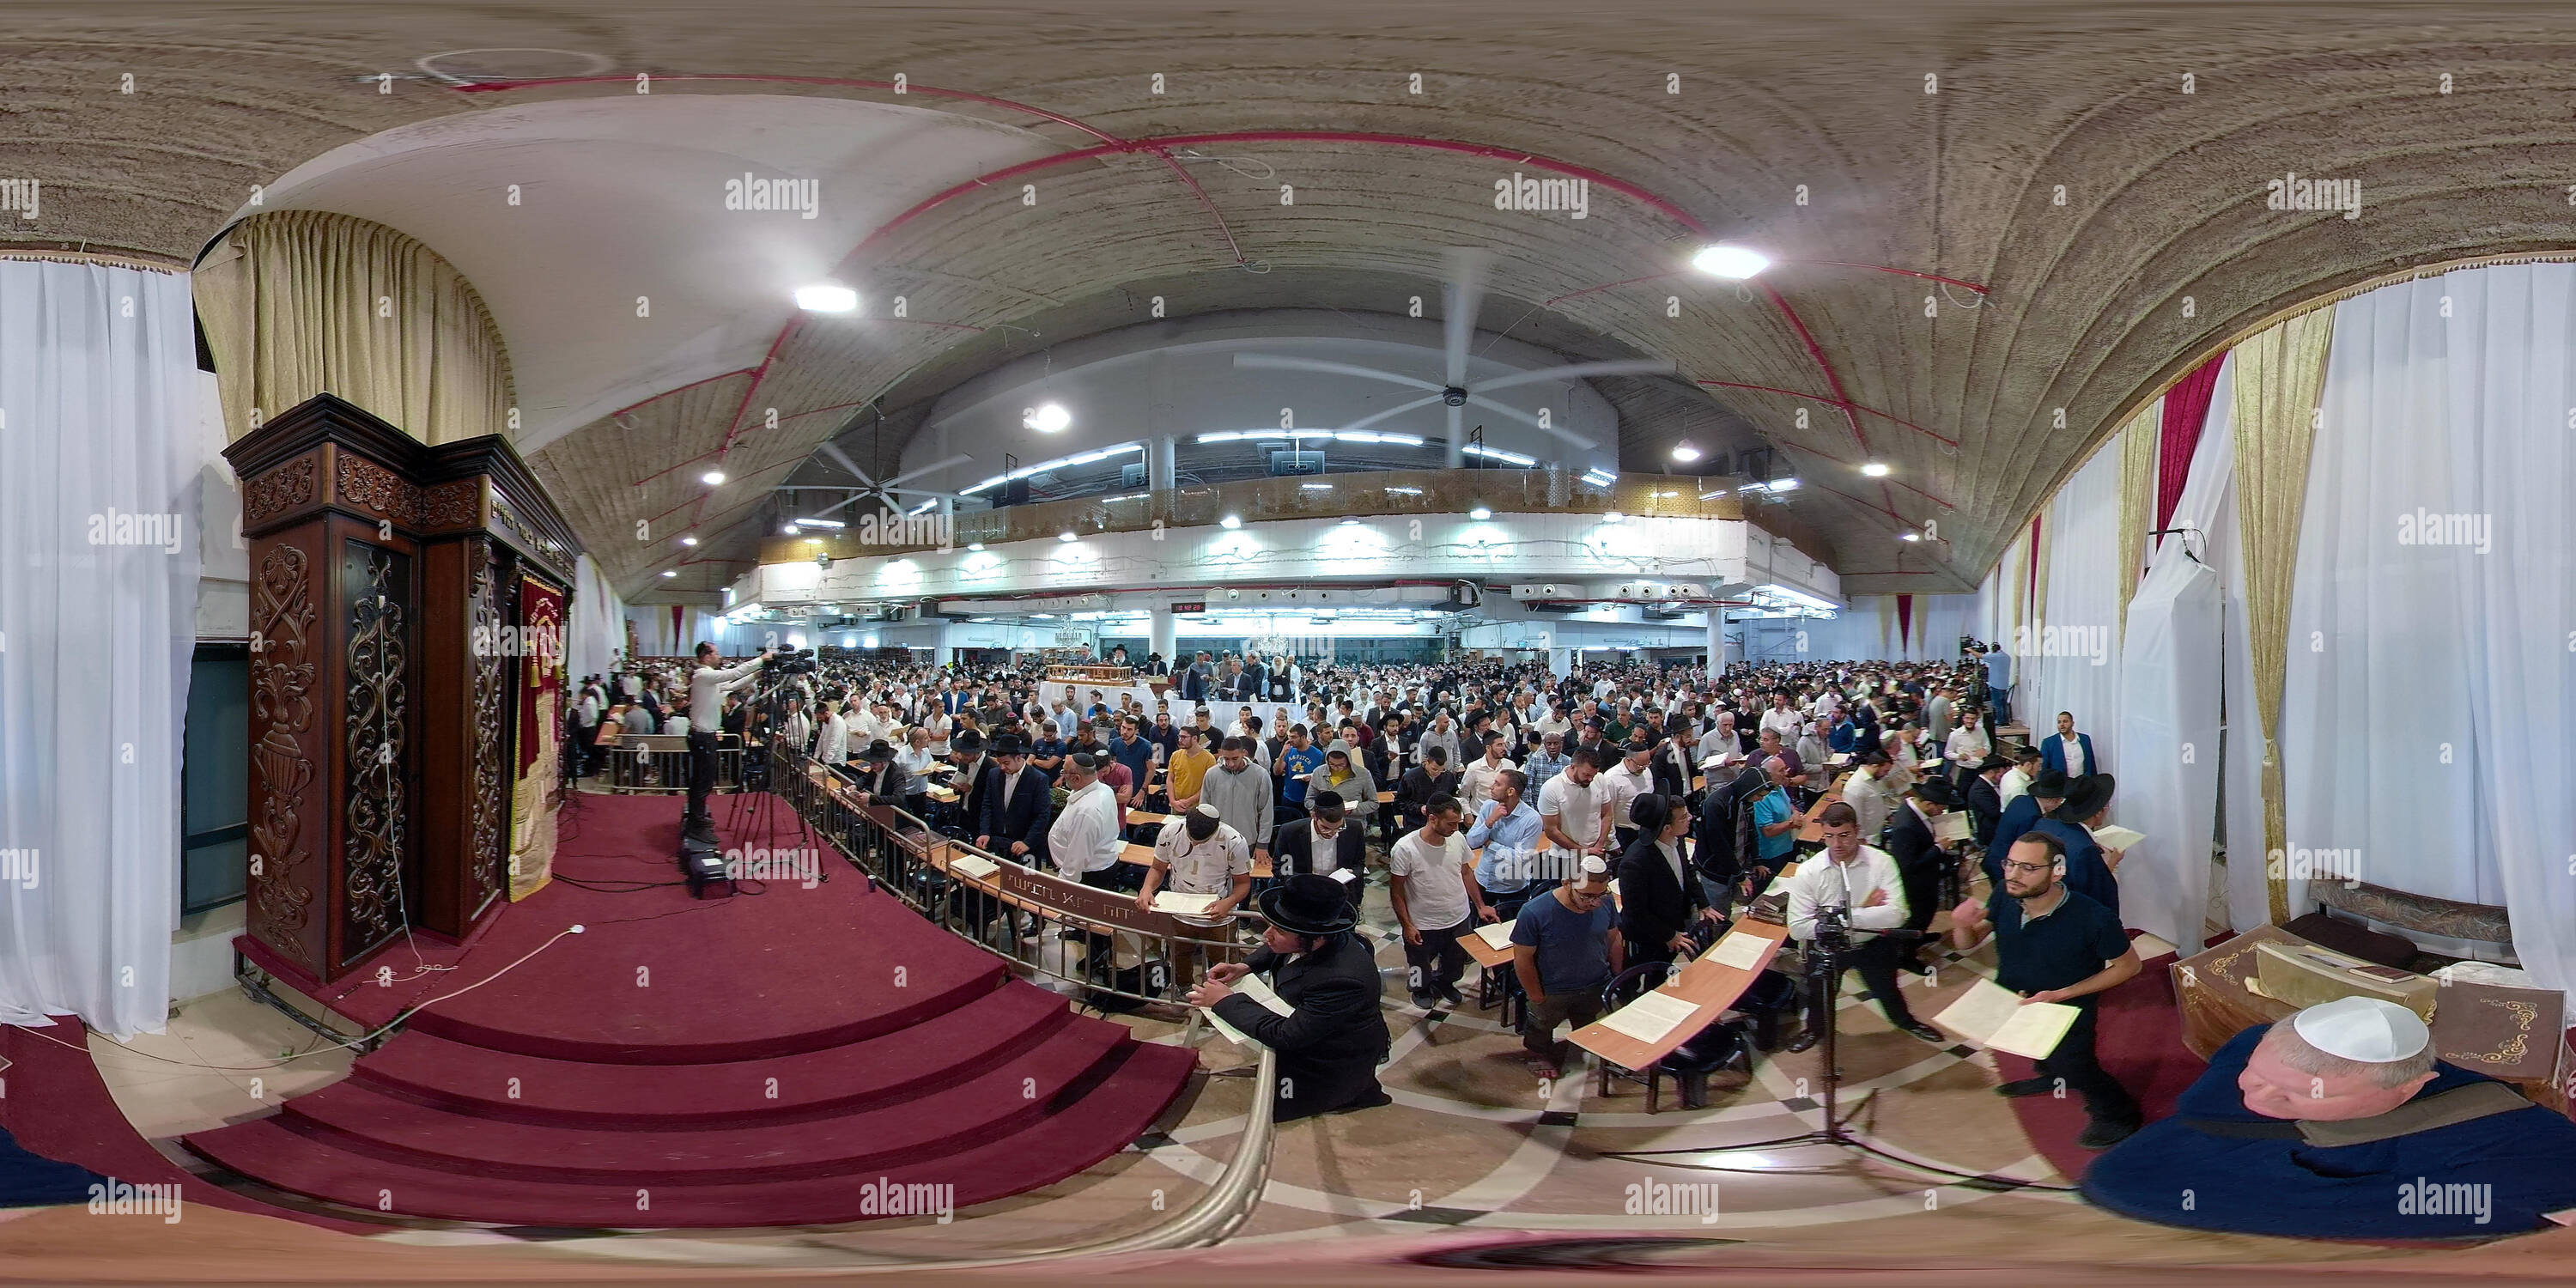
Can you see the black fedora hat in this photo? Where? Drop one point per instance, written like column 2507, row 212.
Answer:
column 1009, row 744
column 878, row 753
column 969, row 742
column 2050, row 783
column 1307, row 904
column 2085, row 797
column 1938, row 791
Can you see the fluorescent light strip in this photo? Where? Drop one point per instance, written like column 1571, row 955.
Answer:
column 1496, row 454
column 819, row 523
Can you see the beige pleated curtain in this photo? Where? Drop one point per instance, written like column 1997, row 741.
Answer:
column 2280, row 384
column 304, row 302
column 2138, row 442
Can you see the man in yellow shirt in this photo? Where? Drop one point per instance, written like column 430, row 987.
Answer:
column 1187, row 770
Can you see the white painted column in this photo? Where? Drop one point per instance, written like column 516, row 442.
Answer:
column 1166, row 633
column 1560, row 662
column 1716, row 638
column 1163, row 472
column 942, row 652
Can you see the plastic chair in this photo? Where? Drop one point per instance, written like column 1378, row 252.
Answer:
column 1711, row 1049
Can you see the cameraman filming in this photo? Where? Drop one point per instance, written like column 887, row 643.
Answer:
column 708, row 685
column 1859, row 887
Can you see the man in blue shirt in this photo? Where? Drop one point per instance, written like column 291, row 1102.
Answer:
column 1546, row 763
column 1296, row 760
column 1506, row 836
column 1134, row 751
column 1775, row 818
column 1565, row 948
column 1999, row 685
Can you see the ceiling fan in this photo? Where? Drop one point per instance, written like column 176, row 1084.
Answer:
column 1462, row 295
column 889, row 489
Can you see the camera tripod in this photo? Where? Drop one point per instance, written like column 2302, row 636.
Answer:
column 1825, row 960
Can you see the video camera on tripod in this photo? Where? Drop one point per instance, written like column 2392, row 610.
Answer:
column 793, row 661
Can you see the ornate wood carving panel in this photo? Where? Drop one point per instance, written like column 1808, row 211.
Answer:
column 371, row 487
column 272, row 494
column 285, row 879
column 490, row 832
column 376, row 591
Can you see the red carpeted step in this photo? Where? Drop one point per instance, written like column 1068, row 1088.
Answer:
column 995, row 1026
column 1060, row 1145
column 987, row 1106
column 895, row 972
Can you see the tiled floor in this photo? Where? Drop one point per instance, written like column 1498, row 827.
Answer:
column 1470, row 1142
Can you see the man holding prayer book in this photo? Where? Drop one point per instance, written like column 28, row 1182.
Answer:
column 2055, row 945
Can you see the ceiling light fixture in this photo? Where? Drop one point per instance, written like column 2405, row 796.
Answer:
column 1912, row 536
column 669, row 573
column 712, row 477
column 1735, row 263
column 791, row 529
column 1613, row 517
column 827, row 297
column 975, row 545
column 1684, row 452
column 1230, row 522
column 1480, row 513
column 1875, row 469
column 1066, row 535
column 688, row 541
column 1046, row 418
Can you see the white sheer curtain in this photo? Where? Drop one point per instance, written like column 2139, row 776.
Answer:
column 2069, row 658
column 98, row 594
column 2513, row 332
column 2169, row 702
column 598, row 628
column 2380, row 755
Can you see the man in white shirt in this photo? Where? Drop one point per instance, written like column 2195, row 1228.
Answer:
column 2017, row 779
column 1574, row 812
column 1199, row 853
column 1429, row 874
column 1862, row 880
column 1476, row 783
column 1623, row 783
column 1780, row 717
column 708, row 684
column 833, row 747
column 1867, row 792
column 1086, row 836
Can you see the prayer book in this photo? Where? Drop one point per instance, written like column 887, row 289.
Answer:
column 1990, row 1015
column 1651, row 1017
column 1950, row 828
column 1259, row 990
column 1740, row 950
column 974, row 866
column 1186, row 905
column 1497, row 936
column 2118, row 838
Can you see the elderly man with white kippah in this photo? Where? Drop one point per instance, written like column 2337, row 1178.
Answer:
column 2340, row 1122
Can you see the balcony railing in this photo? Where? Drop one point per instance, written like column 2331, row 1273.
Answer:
column 1367, row 494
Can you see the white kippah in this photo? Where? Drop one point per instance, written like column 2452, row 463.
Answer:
column 1594, row 867
column 1205, row 810
column 2366, row 1029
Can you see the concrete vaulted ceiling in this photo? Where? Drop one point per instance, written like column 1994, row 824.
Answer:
column 2106, row 226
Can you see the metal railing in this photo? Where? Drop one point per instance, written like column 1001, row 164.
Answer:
column 910, row 859
column 1371, row 493
column 658, row 764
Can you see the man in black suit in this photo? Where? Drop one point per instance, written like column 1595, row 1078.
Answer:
column 1659, row 895
column 1675, row 763
column 1015, row 805
column 1985, row 798
column 966, row 753
column 1421, row 784
column 1920, row 859
column 1333, row 1038
column 1325, row 843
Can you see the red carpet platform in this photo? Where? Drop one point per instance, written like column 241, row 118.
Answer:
column 682, row 1063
